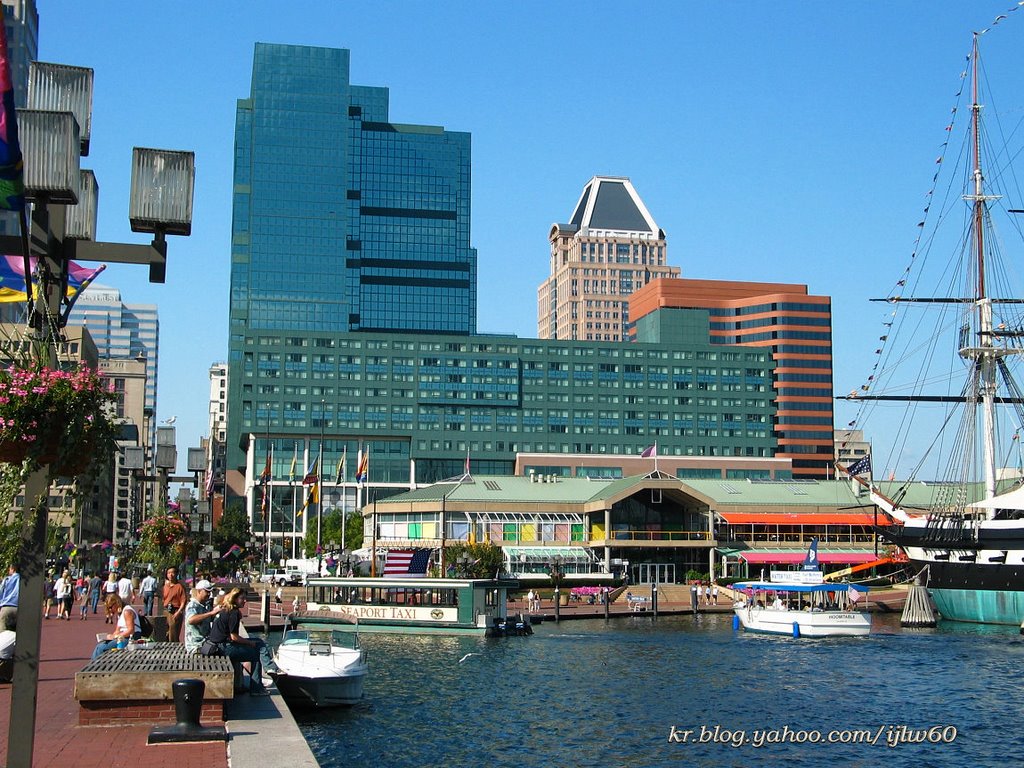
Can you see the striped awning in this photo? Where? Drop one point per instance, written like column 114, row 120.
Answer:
column 805, row 518
column 769, row 556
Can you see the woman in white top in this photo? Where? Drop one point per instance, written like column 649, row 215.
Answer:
column 64, row 595
column 127, row 626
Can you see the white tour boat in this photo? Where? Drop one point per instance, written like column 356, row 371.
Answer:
column 801, row 604
column 320, row 667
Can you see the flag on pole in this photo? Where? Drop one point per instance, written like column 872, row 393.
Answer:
column 860, row 467
column 467, row 461
column 363, row 472
column 311, row 473
column 313, row 497
column 340, row 474
column 233, row 550
column 265, row 474
column 12, row 172
column 13, row 287
column 409, row 563
column 295, row 464
column 209, row 477
column 650, row 451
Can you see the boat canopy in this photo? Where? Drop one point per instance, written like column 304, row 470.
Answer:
column 774, row 586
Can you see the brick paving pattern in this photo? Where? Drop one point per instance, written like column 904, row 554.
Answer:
column 61, row 741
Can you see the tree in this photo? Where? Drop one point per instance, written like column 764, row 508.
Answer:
column 232, row 529
column 485, row 560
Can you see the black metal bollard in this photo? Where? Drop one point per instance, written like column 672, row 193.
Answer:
column 188, row 701
column 188, row 705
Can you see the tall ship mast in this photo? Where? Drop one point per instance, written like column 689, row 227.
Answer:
column 968, row 541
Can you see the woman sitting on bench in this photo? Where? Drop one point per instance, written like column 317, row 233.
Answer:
column 127, row 625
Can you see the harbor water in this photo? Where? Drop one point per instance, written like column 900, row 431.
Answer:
column 683, row 691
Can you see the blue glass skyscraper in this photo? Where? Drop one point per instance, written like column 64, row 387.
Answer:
column 344, row 221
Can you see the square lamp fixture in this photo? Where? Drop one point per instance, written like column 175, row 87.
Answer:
column 61, row 88
column 49, row 147
column 161, row 194
column 81, row 219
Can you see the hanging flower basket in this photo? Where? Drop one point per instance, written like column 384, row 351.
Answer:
column 55, row 418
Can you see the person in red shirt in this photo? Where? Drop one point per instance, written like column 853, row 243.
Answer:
column 174, row 600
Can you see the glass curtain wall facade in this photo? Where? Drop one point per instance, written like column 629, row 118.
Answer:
column 342, row 220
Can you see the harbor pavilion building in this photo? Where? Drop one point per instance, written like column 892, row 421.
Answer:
column 651, row 527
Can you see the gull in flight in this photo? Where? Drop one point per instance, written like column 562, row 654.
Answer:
column 171, row 420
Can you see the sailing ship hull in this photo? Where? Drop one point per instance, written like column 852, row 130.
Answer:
column 973, row 575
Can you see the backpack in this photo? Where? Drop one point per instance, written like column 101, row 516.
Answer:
column 145, row 625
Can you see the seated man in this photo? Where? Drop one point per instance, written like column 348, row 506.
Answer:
column 7, row 638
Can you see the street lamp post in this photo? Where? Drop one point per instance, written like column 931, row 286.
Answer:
column 556, row 578
column 54, row 134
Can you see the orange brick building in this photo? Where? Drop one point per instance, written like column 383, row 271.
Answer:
column 798, row 328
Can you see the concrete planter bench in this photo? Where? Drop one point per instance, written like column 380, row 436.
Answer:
column 134, row 685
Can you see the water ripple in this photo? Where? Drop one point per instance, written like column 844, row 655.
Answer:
column 589, row 694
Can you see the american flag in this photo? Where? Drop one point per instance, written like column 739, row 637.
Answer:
column 407, row 562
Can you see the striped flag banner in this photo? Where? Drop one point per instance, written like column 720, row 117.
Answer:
column 409, row 563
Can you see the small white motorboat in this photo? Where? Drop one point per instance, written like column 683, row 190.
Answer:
column 324, row 668
column 801, row 610
column 802, row 604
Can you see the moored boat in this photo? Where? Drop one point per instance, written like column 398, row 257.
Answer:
column 411, row 605
column 801, row 610
column 801, row 603
column 322, row 668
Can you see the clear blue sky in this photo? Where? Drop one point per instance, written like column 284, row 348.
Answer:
column 774, row 141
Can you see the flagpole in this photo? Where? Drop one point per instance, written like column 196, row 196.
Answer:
column 319, row 489
column 291, row 482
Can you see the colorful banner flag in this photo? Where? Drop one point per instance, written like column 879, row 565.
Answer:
column 12, row 277
column 312, row 473
column 233, row 550
column 265, row 474
column 12, row 172
column 467, row 461
column 295, row 463
column 340, row 478
column 363, row 472
column 649, row 452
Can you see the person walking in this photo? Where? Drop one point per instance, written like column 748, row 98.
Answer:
column 10, row 588
column 109, row 588
column 174, row 605
column 714, row 592
column 63, row 595
column 278, row 595
column 126, row 590
column 82, row 595
column 95, row 584
column 148, row 590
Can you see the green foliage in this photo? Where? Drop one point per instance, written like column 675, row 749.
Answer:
column 485, row 560
column 163, row 541
column 232, row 528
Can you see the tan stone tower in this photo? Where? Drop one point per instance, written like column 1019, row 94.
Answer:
column 610, row 247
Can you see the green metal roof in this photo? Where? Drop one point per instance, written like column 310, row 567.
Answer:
column 510, row 489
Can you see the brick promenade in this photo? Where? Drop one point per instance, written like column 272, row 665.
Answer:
column 60, row 741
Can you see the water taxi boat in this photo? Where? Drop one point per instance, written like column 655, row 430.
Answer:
column 322, row 667
column 800, row 610
column 413, row 605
